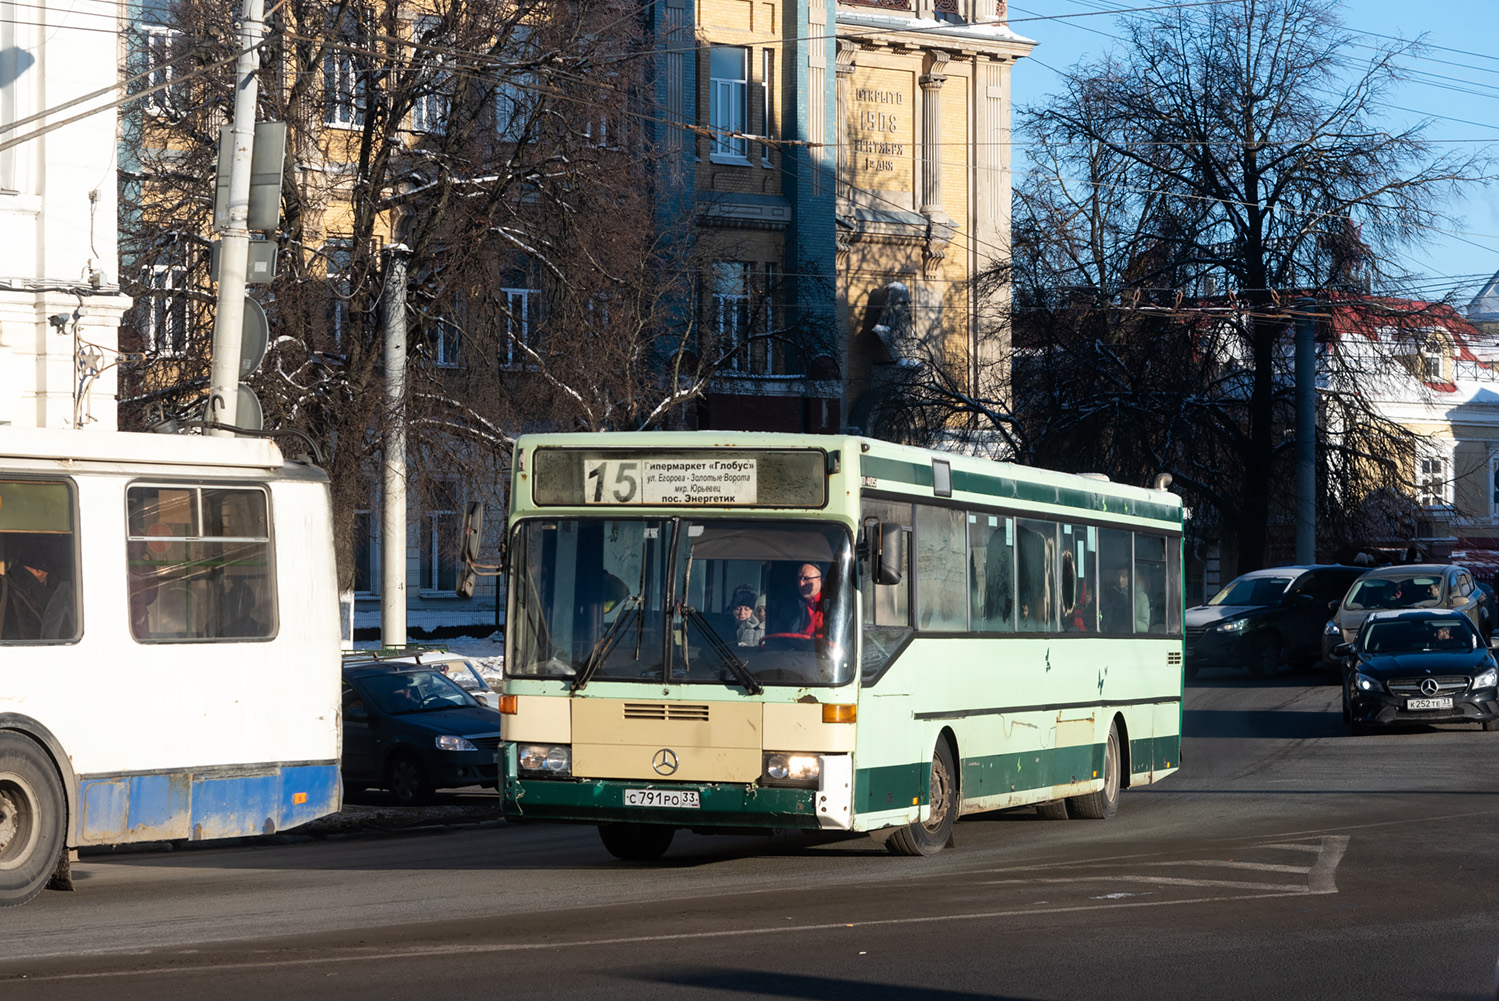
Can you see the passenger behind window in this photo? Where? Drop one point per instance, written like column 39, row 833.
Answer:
column 36, row 590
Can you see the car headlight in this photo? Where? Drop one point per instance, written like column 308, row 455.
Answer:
column 552, row 761
column 1234, row 625
column 789, row 769
column 1486, row 679
column 1364, row 683
column 449, row 742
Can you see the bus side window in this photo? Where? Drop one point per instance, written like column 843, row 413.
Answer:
column 941, row 581
column 1150, row 584
column 38, row 563
column 1116, row 607
column 1036, row 575
column 887, row 609
column 991, row 572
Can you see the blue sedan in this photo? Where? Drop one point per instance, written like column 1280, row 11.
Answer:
column 1418, row 666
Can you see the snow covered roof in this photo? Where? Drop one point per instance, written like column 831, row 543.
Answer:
column 992, row 31
column 1485, row 305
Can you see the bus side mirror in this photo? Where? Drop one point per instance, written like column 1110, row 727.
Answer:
column 889, row 555
column 468, row 549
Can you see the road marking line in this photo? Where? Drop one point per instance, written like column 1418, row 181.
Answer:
column 366, row 954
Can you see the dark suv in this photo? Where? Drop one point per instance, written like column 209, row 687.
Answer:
column 1266, row 618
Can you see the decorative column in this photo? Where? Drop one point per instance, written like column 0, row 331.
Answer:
column 845, row 69
column 940, row 228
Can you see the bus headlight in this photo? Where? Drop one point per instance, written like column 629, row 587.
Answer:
column 787, row 769
column 552, row 761
column 450, row 742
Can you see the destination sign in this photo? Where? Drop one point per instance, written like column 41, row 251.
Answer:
column 669, row 481
column 683, row 477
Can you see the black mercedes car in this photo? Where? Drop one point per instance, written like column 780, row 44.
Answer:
column 411, row 730
column 1426, row 665
column 1266, row 618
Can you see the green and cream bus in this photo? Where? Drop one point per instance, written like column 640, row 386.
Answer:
column 931, row 635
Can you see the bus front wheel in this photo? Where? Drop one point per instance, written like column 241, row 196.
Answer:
column 636, row 842
column 31, row 819
column 1104, row 803
column 932, row 835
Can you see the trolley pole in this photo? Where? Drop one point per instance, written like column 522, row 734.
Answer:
column 234, row 249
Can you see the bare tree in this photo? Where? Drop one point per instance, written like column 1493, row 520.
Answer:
column 1228, row 160
column 510, row 149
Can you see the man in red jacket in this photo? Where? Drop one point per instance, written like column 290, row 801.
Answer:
column 809, row 611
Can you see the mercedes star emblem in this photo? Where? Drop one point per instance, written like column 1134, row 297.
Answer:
column 1429, row 686
column 664, row 762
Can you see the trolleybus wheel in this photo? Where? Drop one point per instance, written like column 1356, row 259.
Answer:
column 1104, row 803
column 931, row 837
column 32, row 812
column 637, row 842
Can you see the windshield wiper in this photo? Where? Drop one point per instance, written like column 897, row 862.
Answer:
column 630, row 606
column 718, row 646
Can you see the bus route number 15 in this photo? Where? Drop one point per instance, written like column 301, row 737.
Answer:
column 611, row 481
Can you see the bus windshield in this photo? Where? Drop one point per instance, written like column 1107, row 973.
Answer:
column 725, row 602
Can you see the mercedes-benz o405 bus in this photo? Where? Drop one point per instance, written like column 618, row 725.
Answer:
column 721, row 631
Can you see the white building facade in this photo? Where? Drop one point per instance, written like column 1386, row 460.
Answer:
column 60, row 303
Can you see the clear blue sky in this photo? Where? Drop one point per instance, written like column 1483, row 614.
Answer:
column 1458, row 79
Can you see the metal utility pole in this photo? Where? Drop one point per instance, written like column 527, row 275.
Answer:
column 393, row 462
column 234, row 253
column 1306, row 431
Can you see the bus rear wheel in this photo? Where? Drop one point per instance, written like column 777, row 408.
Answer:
column 932, row 835
column 31, row 819
column 1104, row 803
column 636, row 842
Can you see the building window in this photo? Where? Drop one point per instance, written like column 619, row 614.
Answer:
column 343, row 76
column 731, row 300
column 442, row 340
column 728, row 91
column 1432, row 357
column 1433, row 480
column 767, row 98
column 159, row 47
column 1494, row 486
column 429, row 112
column 516, row 326
column 515, row 95
column 366, row 554
column 166, row 310
column 338, row 254
column 438, row 541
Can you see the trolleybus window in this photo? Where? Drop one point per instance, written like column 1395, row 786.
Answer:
column 887, row 610
column 38, row 563
column 991, row 570
column 1036, row 575
column 200, row 564
column 650, row 601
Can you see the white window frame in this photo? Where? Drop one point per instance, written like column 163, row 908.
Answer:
column 1433, row 355
column 429, row 112
column 518, row 302
column 343, row 78
column 730, row 290
column 727, row 101
column 767, row 97
column 1493, row 486
column 444, row 342
column 337, row 252
column 438, row 527
column 167, row 325
column 159, row 45
column 1434, row 476
column 374, row 548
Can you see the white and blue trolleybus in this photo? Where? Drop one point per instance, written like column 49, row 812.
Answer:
column 169, row 644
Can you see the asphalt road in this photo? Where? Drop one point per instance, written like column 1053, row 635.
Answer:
column 1286, row 860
